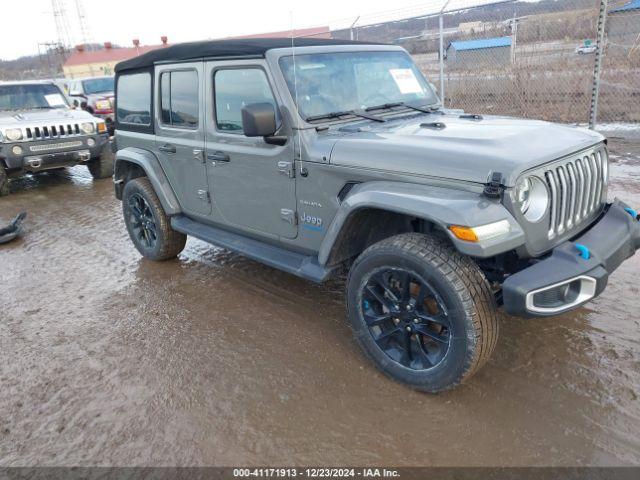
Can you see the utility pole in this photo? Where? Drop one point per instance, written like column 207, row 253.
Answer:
column 441, row 19
column 595, row 92
column 514, row 35
column 84, row 28
column 62, row 22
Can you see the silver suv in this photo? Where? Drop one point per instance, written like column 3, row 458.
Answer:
column 39, row 132
column 328, row 156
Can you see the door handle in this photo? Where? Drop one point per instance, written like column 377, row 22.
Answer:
column 218, row 157
column 167, row 148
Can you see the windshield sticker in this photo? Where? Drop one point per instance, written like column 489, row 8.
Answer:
column 406, row 80
column 54, row 100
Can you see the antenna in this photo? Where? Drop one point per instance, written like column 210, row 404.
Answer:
column 296, row 114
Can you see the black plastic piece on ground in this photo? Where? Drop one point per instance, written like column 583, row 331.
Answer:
column 13, row 230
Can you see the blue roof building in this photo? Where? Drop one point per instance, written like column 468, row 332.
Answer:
column 623, row 24
column 632, row 5
column 489, row 52
column 482, row 43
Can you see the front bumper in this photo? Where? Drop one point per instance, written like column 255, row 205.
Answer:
column 576, row 271
column 46, row 154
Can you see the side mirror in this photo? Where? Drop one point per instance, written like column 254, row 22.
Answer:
column 259, row 120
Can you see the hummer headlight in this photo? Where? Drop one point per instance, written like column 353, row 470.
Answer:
column 13, row 134
column 532, row 197
column 88, row 127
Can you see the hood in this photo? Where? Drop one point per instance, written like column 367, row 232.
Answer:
column 20, row 118
column 457, row 148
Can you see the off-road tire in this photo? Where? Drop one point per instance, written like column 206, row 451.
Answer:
column 169, row 242
column 102, row 166
column 459, row 282
column 4, row 182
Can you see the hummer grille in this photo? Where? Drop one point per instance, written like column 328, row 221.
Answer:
column 578, row 187
column 46, row 132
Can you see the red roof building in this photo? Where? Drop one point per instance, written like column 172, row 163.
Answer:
column 89, row 63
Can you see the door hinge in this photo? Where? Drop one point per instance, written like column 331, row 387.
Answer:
column 287, row 168
column 289, row 216
column 204, row 196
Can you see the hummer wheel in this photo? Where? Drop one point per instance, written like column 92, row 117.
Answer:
column 4, row 183
column 147, row 223
column 421, row 311
column 102, row 166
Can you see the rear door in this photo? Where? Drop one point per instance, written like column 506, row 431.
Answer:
column 251, row 181
column 180, row 133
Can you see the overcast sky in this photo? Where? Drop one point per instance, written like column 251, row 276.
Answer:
column 27, row 22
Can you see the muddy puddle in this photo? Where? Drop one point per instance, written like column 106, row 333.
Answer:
column 213, row 359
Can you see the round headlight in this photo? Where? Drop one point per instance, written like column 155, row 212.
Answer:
column 88, row 127
column 523, row 193
column 13, row 134
column 17, row 150
column 532, row 198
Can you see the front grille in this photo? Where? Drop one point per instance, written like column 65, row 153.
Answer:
column 46, row 132
column 54, row 146
column 577, row 187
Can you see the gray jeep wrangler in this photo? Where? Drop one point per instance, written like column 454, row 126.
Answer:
column 335, row 156
column 39, row 132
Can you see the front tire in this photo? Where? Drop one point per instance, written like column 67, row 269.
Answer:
column 147, row 223
column 422, row 312
column 102, row 166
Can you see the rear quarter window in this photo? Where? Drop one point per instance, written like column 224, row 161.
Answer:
column 134, row 99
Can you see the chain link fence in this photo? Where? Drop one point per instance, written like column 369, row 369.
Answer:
column 535, row 59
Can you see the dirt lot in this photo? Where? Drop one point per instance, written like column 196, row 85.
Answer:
column 213, row 359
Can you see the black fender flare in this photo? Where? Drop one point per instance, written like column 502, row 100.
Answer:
column 150, row 164
column 441, row 206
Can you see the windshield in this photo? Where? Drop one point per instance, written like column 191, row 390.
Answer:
column 26, row 97
column 339, row 82
column 98, row 85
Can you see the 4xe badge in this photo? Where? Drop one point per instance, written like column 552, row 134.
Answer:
column 310, row 222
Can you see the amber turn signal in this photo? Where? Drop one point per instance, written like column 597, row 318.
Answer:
column 464, row 233
column 102, row 127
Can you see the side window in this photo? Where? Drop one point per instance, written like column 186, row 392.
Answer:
column 134, row 99
column 236, row 88
column 179, row 103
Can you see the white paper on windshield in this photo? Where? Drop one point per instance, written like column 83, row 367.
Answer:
column 406, row 80
column 54, row 100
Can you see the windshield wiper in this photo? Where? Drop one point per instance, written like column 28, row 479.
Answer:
column 356, row 113
column 428, row 109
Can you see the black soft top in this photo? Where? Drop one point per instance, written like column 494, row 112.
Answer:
column 250, row 47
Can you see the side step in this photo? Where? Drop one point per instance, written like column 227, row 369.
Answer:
column 298, row 264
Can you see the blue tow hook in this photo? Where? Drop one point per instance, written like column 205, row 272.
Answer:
column 633, row 213
column 584, row 251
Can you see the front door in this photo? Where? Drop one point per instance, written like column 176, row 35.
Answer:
column 180, row 133
column 251, row 182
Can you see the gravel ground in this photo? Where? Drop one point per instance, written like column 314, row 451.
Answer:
column 213, row 359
